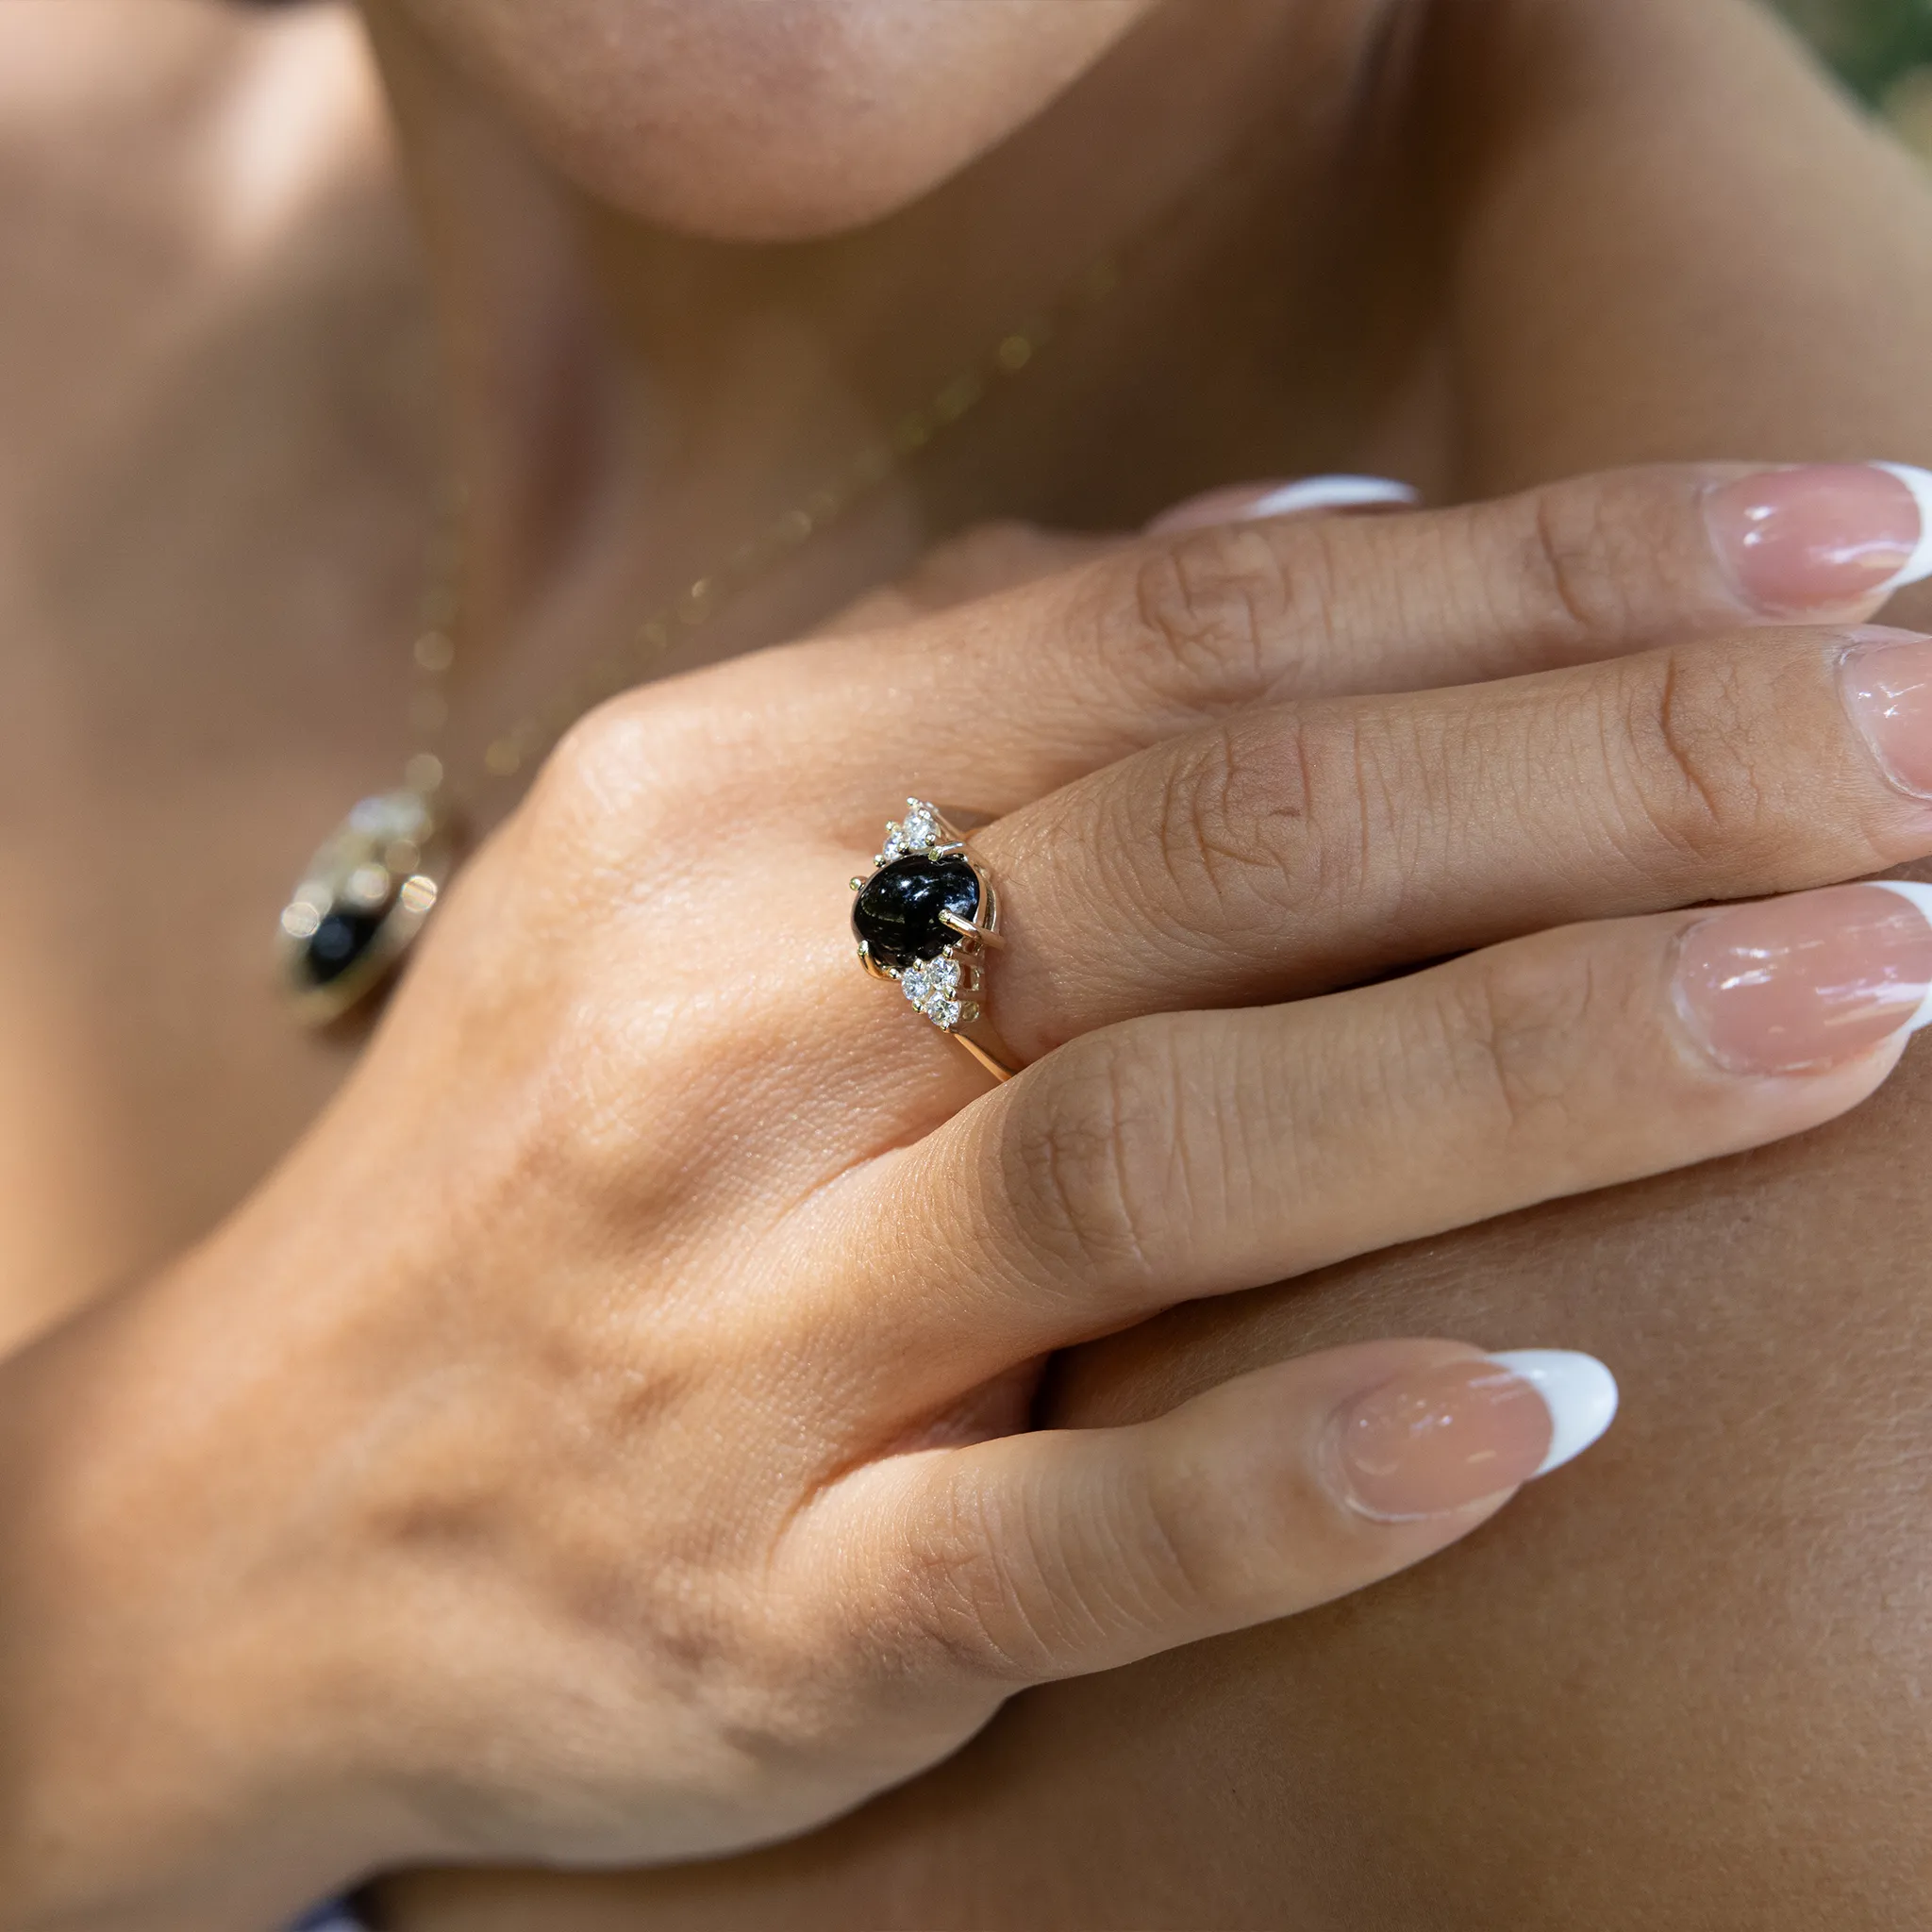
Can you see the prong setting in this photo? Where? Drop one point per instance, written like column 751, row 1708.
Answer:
column 933, row 912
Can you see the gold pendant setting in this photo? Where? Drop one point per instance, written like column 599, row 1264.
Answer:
column 362, row 903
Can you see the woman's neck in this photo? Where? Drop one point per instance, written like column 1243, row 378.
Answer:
column 628, row 403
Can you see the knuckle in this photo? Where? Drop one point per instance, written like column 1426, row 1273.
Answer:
column 1690, row 782
column 973, row 1582
column 604, row 767
column 1006, row 1587
column 1088, row 1169
column 630, row 774
column 1232, row 809
column 1519, row 1022
column 1206, row 604
column 1260, row 814
column 1569, row 564
column 1176, row 1553
column 1596, row 559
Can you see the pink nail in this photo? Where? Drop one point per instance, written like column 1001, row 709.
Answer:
column 1441, row 1438
column 1886, row 679
column 1808, row 981
column 1244, row 502
column 1823, row 536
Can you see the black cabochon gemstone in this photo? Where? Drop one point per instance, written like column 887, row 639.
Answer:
column 897, row 912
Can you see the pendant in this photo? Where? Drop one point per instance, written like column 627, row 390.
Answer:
column 362, row 903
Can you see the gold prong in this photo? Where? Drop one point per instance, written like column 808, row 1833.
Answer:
column 952, row 850
column 857, row 885
column 871, row 965
column 965, row 928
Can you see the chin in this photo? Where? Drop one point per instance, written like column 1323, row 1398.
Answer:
column 769, row 120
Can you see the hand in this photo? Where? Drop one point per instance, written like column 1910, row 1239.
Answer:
column 605, row 1439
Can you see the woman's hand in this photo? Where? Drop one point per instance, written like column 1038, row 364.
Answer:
column 605, row 1439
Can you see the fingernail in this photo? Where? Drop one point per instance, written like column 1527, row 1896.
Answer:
column 1806, row 982
column 1442, row 1438
column 1823, row 535
column 1886, row 679
column 1577, row 1389
column 1244, row 502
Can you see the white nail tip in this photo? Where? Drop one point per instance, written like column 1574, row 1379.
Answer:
column 1578, row 1391
column 1341, row 492
column 1918, row 566
column 1919, row 896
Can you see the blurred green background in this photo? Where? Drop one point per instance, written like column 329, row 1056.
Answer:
column 1882, row 47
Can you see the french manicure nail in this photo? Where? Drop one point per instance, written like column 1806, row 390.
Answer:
column 1244, row 502
column 1439, row 1439
column 1822, row 536
column 1884, row 677
column 1802, row 983
column 1577, row 1389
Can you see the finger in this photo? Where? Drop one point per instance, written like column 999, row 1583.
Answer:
column 1192, row 1154
column 979, row 562
column 1049, row 1554
column 997, row 701
column 1294, row 849
column 1002, row 555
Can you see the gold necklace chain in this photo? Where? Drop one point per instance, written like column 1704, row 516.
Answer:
column 369, row 890
column 663, row 631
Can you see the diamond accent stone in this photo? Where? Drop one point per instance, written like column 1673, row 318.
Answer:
column 908, row 915
column 918, row 831
column 931, row 987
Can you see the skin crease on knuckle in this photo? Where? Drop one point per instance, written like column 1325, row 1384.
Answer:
column 1695, row 787
column 1728, row 751
column 1085, row 1163
column 1210, row 604
column 1515, row 1024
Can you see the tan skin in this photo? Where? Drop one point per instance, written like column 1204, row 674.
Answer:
column 1725, row 402
column 311, row 342
column 1674, row 1718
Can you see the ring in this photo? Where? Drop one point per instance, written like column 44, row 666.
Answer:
column 924, row 916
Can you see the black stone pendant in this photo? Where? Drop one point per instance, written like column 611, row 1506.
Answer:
column 896, row 915
column 362, row 903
